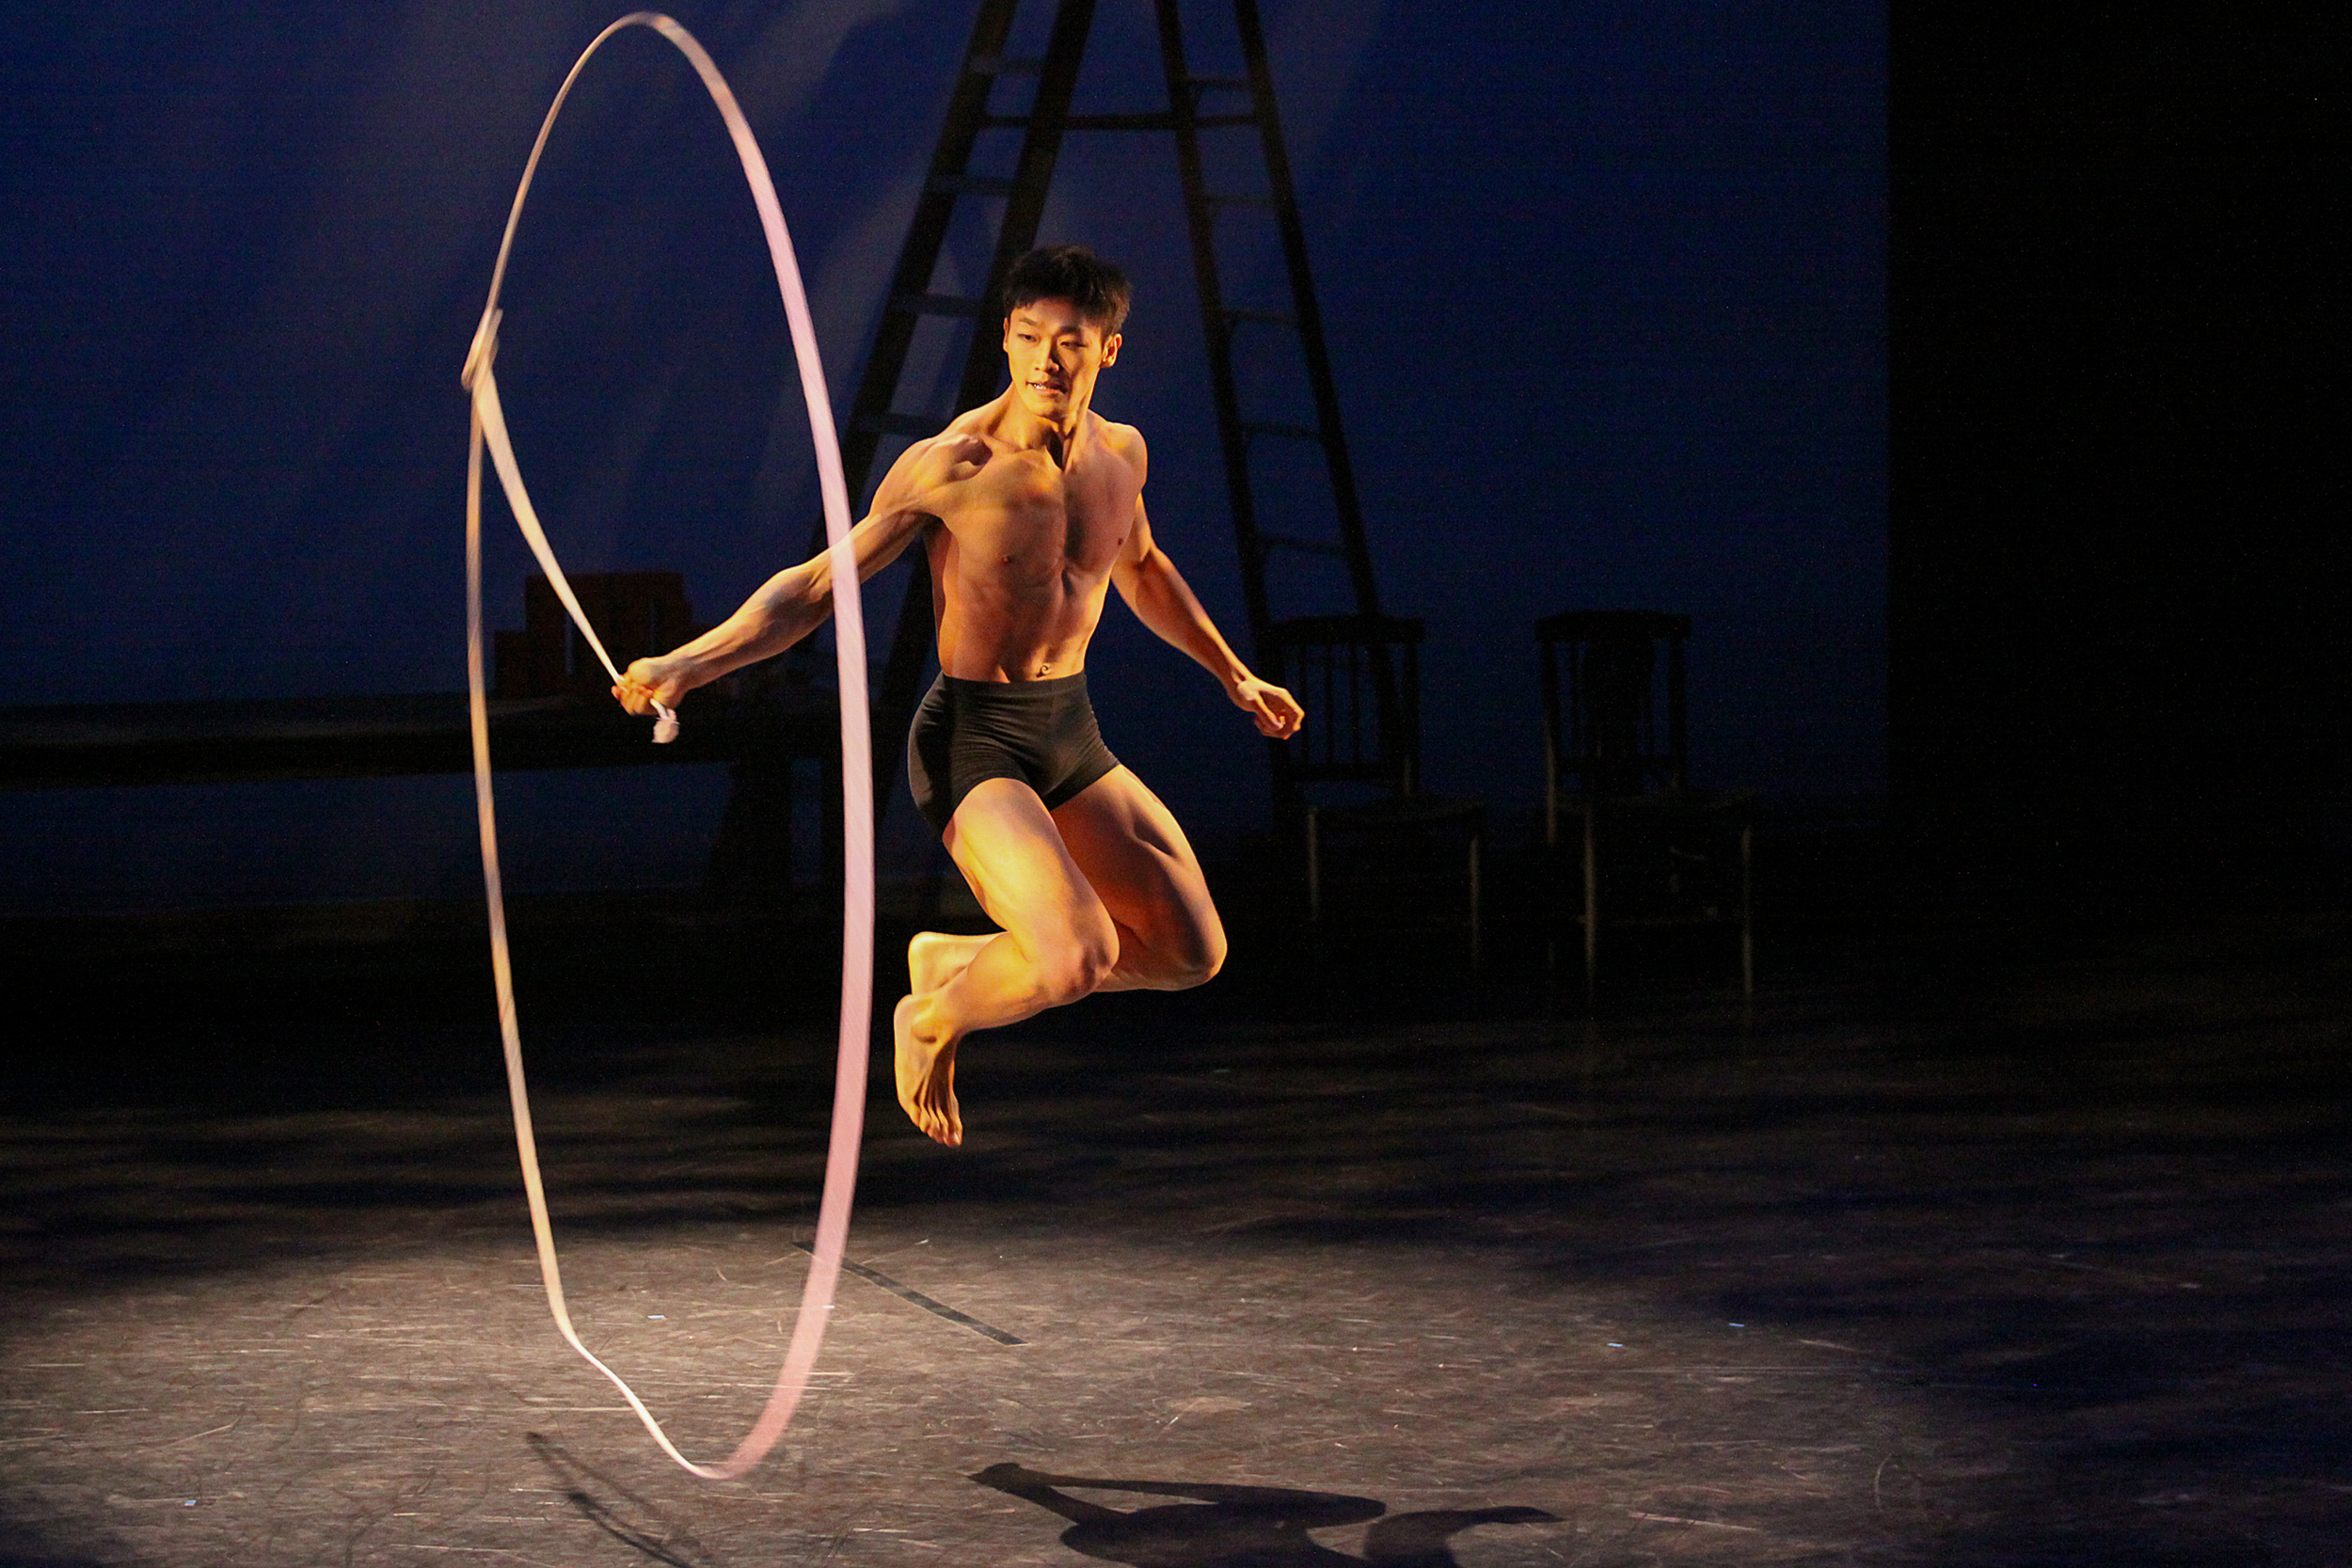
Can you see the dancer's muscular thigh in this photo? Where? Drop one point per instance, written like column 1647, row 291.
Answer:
column 1138, row 862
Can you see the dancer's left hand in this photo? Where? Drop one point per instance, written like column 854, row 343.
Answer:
column 1278, row 713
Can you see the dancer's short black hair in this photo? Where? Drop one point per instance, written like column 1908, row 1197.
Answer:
column 1071, row 272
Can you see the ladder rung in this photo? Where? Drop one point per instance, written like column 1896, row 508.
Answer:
column 1159, row 119
column 1265, row 202
column 1270, row 542
column 1001, row 65
column 899, row 424
column 967, row 184
column 1299, row 432
column 1271, row 318
column 937, row 305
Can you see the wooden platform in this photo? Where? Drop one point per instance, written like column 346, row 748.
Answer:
column 69, row 746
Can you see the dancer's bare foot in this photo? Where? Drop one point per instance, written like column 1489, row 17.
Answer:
column 926, row 1078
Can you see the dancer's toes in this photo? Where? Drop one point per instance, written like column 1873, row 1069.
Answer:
column 926, row 1072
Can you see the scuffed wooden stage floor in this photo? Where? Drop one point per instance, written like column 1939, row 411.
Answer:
column 2031, row 1254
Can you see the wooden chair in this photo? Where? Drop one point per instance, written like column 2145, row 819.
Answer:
column 1349, row 782
column 1651, row 850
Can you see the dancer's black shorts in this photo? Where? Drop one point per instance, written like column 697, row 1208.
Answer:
column 1042, row 733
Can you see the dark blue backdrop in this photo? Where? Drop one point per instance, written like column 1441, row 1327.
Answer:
column 1605, row 285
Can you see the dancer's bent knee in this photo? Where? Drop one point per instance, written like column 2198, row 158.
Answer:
column 1171, row 963
column 1196, row 965
column 1075, row 965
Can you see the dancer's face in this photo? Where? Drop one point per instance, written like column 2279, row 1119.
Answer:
column 1054, row 354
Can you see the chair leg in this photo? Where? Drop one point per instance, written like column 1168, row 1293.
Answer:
column 1552, row 796
column 1475, row 903
column 1747, row 910
column 1314, row 870
column 1591, row 898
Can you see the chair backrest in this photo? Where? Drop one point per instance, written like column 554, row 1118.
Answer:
column 635, row 613
column 1607, row 728
column 1360, row 677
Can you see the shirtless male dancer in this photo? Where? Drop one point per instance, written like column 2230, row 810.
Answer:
column 1029, row 508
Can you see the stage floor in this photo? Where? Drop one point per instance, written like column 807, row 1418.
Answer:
column 2041, row 1262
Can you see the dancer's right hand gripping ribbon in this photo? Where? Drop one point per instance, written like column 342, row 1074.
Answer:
column 649, row 687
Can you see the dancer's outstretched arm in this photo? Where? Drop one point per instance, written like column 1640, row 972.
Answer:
column 795, row 602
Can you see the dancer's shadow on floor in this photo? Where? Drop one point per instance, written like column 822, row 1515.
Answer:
column 1243, row 1526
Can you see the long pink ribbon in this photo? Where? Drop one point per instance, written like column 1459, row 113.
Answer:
column 857, row 772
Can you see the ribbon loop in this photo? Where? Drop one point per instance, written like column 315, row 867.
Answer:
column 857, row 906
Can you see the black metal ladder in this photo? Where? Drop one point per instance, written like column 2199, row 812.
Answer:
column 1200, row 109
